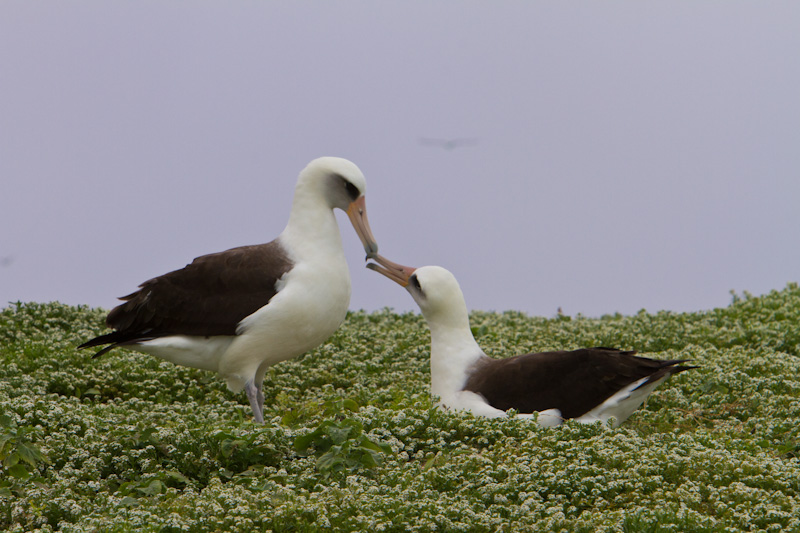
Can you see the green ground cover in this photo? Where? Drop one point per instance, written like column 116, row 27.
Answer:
column 352, row 441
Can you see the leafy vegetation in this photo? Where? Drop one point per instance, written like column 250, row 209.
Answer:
column 18, row 456
column 353, row 442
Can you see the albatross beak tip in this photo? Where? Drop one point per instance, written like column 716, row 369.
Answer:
column 372, row 250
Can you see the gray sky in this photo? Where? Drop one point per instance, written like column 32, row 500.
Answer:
column 629, row 155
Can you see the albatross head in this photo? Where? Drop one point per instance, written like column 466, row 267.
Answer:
column 341, row 184
column 434, row 288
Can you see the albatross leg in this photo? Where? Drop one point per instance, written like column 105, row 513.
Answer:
column 261, row 400
column 256, row 398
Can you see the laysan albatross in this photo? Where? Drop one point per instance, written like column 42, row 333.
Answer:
column 587, row 385
column 243, row 310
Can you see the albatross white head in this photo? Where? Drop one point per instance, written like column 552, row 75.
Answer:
column 439, row 297
column 434, row 288
column 325, row 184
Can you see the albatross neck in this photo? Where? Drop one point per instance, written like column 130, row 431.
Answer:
column 312, row 226
column 453, row 351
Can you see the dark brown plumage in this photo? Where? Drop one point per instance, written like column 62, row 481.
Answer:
column 574, row 382
column 209, row 296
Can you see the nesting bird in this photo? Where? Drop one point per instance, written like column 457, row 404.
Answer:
column 587, row 385
column 243, row 310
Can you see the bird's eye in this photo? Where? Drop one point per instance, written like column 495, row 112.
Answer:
column 352, row 190
column 415, row 282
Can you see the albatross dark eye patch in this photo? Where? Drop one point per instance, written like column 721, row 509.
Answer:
column 352, row 190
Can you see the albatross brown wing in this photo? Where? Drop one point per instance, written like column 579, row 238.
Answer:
column 574, row 382
column 209, row 296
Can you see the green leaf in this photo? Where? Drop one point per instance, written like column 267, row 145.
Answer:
column 350, row 405
column 303, row 442
column 30, row 453
column 340, row 444
column 147, row 436
column 11, row 459
column 152, row 488
column 330, row 461
column 177, row 477
column 382, row 447
column 6, row 444
column 435, row 461
column 339, row 433
column 338, row 406
column 129, row 501
column 370, row 458
column 228, row 446
column 19, row 471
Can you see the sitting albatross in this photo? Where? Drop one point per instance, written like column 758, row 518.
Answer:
column 240, row 311
column 588, row 385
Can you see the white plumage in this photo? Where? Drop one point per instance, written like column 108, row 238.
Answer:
column 587, row 385
column 241, row 311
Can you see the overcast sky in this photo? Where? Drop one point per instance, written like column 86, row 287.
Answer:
column 623, row 155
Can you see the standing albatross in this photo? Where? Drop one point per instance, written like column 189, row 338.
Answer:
column 588, row 385
column 241, row 311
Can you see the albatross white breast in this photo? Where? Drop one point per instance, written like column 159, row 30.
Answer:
column 240, row 311
column 588, row 385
